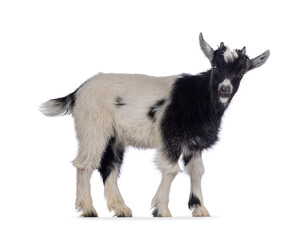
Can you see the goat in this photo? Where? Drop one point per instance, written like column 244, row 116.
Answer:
column 177, row 115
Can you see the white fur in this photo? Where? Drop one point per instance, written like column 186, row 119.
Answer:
column 139, row 92
column 97, row 119
column 227, row 83
column 224, row 100
column 169, row 172
column 113, row 196
column 50, row 109
column 96, row 115
column 229, row 55
column 84, row 201
column 195, row 169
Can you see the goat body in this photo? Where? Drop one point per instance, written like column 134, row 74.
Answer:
column 177, row 115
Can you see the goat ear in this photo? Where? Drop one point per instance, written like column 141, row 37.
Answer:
column 259, row 60
column 207, row 50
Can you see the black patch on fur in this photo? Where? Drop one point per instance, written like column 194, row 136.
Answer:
column 154, row 108
column 155, row 213
column 194, row 200
column 111, row 159
column 119, row 102
column 186, row 159
column 67, row 102
column 193, row 117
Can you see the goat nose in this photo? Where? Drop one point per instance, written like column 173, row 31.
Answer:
column 225, row 89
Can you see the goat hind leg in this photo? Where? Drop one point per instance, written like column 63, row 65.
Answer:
column 86, row 162
column 109, row 169
column 114, row 198
column 84, row 200
column 90, row 150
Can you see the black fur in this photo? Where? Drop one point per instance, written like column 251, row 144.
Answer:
column 193, row 201
column 153, row 109
column 67, row 102
column 112, row 158
column 193, row 117
column 155, row 213
column 186, row 159
column 119, row 102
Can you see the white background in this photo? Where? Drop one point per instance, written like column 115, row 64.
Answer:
column 48, row 48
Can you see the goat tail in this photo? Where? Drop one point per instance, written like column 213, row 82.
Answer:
column 59, row 106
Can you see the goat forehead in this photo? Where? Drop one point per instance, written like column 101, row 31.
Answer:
column 230, row 56
column 230, row 62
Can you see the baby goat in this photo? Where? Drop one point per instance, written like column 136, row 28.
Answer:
column 177, row 115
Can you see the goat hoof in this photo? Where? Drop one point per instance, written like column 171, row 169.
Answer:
column 155, row 213
column 158, row 213
column 125, row 212
column 90, row 214
column 200, row 212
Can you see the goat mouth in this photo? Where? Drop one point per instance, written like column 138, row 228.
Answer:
column 224, row 95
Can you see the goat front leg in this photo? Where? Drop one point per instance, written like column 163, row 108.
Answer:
column 169, row 171
column 195, row 168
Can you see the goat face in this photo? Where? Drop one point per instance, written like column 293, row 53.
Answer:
column 228, row 68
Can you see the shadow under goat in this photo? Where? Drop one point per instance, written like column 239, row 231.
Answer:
column 177, row 115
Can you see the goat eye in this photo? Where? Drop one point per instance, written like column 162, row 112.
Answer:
column 215, row 68
column 242, row 74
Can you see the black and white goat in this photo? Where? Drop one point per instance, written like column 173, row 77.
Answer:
column 177, row 115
